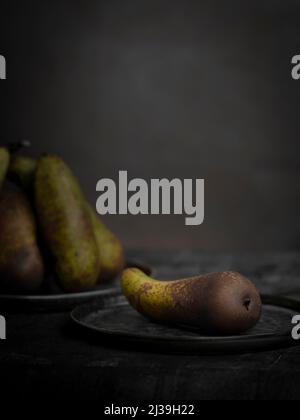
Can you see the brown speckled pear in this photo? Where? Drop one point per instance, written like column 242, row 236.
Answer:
column 22, row 171
column 66, row 225
column 21, row 263
column 4, row 162
column 218, row 303
column 110, row 250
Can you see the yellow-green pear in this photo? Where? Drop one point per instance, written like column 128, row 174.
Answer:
column 217, row 303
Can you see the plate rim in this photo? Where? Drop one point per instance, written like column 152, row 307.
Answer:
column 57, row 296
column 271, row 300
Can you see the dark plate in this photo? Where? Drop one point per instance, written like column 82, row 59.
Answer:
column 113, row 319
column 63, row 302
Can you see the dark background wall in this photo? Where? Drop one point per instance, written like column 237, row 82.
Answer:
column 168, row 88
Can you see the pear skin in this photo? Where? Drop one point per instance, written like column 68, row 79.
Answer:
column 217, row 303
column 110, row 250
column 21, row 262
column 66, row 225
column 4, row 163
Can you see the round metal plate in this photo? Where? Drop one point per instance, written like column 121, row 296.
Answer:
column 113, row 319
column 63, row 302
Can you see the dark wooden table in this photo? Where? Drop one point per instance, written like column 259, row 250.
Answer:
column 45, row 356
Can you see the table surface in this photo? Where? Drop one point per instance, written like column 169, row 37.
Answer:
column 44, row 355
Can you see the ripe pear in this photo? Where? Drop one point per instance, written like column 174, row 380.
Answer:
column 218, row 303
column 110, row 250
column 4, row 162
column 66, row 225
column 22, row 171
column 21, row 262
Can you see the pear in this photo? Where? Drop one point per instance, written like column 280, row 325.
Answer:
column 110, row 250
column 217, row 303
column 65, row 225
column 21, row 262
column 22, row 171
